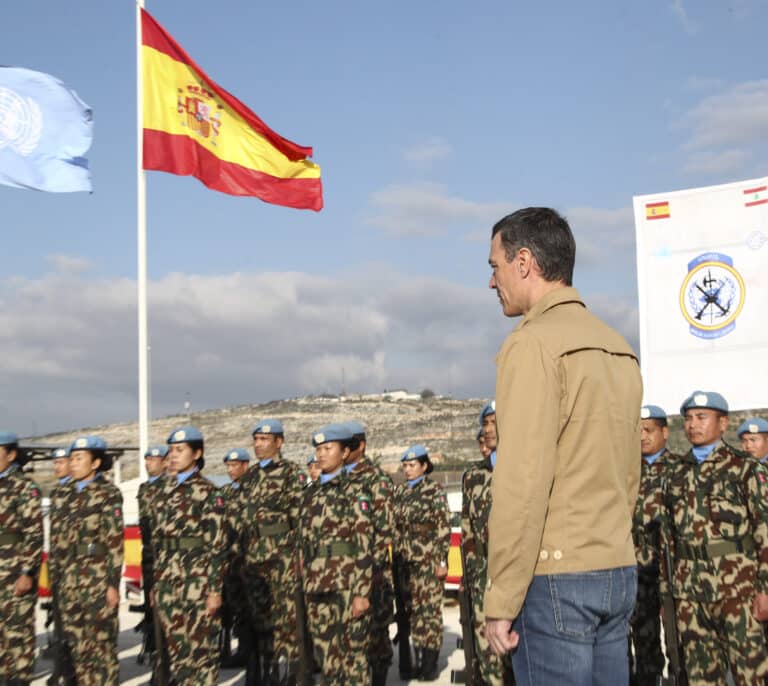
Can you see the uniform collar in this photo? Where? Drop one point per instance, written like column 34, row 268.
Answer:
column 412, row 483
column 650, row 459
column 7, row 472
column 327, row 478
column 81, row 485
column 559, row 296
column 185, row 476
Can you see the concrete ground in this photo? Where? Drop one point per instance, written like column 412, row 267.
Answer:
column 134, row 674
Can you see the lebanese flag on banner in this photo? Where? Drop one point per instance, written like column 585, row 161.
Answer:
column 755, row 196
column 193, row 127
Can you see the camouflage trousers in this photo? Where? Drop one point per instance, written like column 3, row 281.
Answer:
column 90, row 630
column 382, row 615
column 17, row 633
column 271, row 591
column 424, row 605
column 190, row 634
column 339, row 642
column 716, row 635
column 492, row 668
column 646, row 631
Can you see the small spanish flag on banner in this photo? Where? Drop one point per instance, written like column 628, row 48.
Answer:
column 194, row 127
column 657, row 210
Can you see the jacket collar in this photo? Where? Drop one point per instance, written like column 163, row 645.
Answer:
column 560, row 296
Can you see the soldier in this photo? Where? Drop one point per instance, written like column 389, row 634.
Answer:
column 313, row 469
column 336, row 544
column 88, row 540
column 234, row 615
column 270, row 497
column 475, row 508
column 646, row 624
column 56, row 497
column 188, row 543
column 484, row 450
column 422, row 539
column 156, row 461
column 21, row 547
column 753, row 433
column 360, row 470
column 717, row 525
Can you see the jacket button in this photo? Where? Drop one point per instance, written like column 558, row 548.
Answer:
column 558, row 554
column 543, row 555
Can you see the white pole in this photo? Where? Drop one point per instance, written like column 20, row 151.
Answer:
column 141, row 276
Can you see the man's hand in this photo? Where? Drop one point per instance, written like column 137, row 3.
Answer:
column 360, row 605
column 23, row 585
column 113, row 597
column 760, row 607
column 500, row 635
column 212, row 603
column 441, row 571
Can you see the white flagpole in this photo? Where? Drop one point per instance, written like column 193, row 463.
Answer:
column 141, row 276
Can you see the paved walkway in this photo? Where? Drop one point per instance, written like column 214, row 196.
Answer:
column 134, row 674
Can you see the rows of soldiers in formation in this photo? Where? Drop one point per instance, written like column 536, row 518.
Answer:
column 303, row 570
column 307, row 569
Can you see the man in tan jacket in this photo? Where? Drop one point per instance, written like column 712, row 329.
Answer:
column 561, row 569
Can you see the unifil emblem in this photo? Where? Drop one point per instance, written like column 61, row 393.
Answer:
column 712, row 295
column 21, row 122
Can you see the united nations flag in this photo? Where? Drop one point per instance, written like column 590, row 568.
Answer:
column 45, row 130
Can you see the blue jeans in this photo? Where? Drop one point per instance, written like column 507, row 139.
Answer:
column 573, row 629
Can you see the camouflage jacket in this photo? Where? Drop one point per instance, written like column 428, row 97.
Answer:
column 188, row 538
column 147, row 496
column 422, row 523
column 268, row 511
column 717, row 523
column 649, row 509
column 336, row 538
column 475, row 510
column 57, row 497
column 379, row 485
column 21, row 527
column 88, row 535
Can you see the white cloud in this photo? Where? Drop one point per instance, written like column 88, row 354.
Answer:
column 427, row 209
column 68, row 263
column 737, row 116
column 716, row 162
column 429, row 151
column 678, row 9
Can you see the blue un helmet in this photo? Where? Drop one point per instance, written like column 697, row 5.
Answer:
column 653, row 412
column 753, row 425
column 237, row 455
column 191, row 435
column 488, row 409
column 157, row 451
column 268, row 426
column 418, row 452
column 704, row 400
column 341, row 433
column 95, row 445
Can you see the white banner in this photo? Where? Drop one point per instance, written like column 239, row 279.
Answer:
column 702, row 272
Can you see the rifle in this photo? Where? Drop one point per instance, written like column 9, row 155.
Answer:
column 470, row 675
column 161, row 671
column 146, row 625
column 227, row 622
column 677, row 675
column 402, row 617
column 63, row 672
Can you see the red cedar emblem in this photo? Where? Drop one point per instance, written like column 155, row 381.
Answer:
column 117, row 512
column 364, row 505
column 35, row 492
column 219, row 501
column 761, row 476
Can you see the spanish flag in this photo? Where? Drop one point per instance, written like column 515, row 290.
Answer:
column 657, row 210
column 192, row 126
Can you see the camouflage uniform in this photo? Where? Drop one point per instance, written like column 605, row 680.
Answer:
column 87, row 541
column 235, row 596
column 379, row 485
column 268, row 514
column 188, row 543
column 147, row 495
column 717, row 523
column 646, row 620
column 336, row 542
column 21, row 547
column 475, row 509
column 423, row 539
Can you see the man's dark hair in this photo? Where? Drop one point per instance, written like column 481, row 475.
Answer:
column 660, row 422
column 546, row 234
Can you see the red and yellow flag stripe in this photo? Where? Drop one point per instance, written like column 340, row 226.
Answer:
column 194, row 127
column 657, row 210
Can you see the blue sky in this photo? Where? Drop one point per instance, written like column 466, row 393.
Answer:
column 430, row 121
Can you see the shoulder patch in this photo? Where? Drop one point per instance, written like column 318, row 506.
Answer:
column 34, row 492
column 365, row 503
column 219, row 501
column 118, row 512
column 302, row 477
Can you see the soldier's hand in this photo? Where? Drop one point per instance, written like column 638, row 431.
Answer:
column 500, row 635
column 441, row 571
column 212, row 603
column 113, row 597
column 360, row 605
column 23, row 585
column 760, row 607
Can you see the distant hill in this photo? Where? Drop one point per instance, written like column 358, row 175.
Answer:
column 447, row 426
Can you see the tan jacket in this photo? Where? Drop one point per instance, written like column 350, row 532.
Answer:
column 568, row 396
